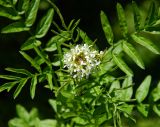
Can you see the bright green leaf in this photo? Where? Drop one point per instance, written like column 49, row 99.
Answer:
column 128, row 89
column 156, row 93
column 106, row 28
column 143, row 89
column 32, row 12
column 85, row 38
column 48, row 123
column 146, row 43
column 53, row 103
column 19, row 88
column 33, row 86
column 44, row 24
column 16, row 122
column 156, row 109
column 133, row 54
column 122, row 20
column 7, row 86
column 122, row 65
column 10, row 77
column 49, row 79
column 5, row 3
column 19, row 71
column 29, row 59
column 9, row 13
column 115, row 85
column 22, row 112
column 14, row 27
column 143, row 109
column 30, row 43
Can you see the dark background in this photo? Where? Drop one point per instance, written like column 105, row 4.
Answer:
column 86, row 10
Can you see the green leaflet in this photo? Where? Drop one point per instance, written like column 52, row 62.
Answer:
column 8, row 86
column 152, row 13
column 143, row 109
column 33, row 86
column 58, row 39
column 48, row 123
column 5, row 3
column 30, row 43
column 53, row 103
column 49, row 79
column 19, row 71
column 9, row 13
column 133, row 54
column 10, row 77
column 23, row 6
column 14, row 2
column 155, row 94
column 22, row 112
column 128, row 89
column 122, row 20
column 122, row 65
column 143, row 89
column 115, row 85
column 19, row 88
column 32, row 12
column 85, row 38
column 156, row 109
column 106, row 28
column 44, row 24
column 29, row 59
column 146, row 43
column 137, row 17
column 14, row 27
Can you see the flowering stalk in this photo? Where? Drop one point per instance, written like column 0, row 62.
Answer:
column 81, row 60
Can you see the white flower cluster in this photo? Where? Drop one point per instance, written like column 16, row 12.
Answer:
column 82, row 60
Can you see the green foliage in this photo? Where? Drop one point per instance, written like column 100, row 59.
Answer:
column 102, row 98
column 29, row 119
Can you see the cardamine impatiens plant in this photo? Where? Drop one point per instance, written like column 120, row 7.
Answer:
column 91, row 87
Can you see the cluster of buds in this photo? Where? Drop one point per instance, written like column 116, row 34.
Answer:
column 81, row 60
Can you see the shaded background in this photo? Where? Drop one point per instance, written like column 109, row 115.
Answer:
column 88, row 11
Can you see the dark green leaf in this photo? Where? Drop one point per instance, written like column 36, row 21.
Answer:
column 156, row 109
column 33, row 86
column 14, row 27
column 152, row 13
column 32, row 12
column 143, row 89
column 29, row 59
column 146, row 43
column 143, row 109
column 122, row 65
column 23, row 6
column 156, row 93
column 137, row 17
column 44, row 24
column 19, row 88
column 131, row 51
column 10, row 77
column 106, row 28
column 22, row 112
column 122, row 20
column 7, row 86
column 9, row 13
column 30, row 43
column 19, row 71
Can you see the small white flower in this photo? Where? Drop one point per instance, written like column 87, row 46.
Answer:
column 81, row 60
